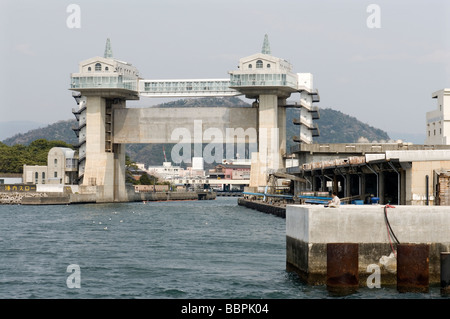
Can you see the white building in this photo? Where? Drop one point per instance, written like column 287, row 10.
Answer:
column 62, row 168
column 165, row 171
column 264, row 73
column 438, row 121
column 97, row 76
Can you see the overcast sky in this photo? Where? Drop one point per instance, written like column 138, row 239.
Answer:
column 383, row 76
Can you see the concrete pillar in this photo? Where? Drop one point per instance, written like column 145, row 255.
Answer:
column 282, row 132
column 403, row 187
column 105, row 164
column 347, row 185
column 381, row 180
column 94, row 172
column 363, row 186
column 268, row 130
column 271, row 140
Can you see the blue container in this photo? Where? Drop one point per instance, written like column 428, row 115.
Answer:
column 375, row 200
column 358, row 202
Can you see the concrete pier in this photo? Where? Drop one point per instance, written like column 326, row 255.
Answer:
column 309, row 228
column 261, row 206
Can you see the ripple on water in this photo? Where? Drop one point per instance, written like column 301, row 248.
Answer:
column 191, row 249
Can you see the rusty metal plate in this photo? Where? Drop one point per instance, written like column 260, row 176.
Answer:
column 342, row 266
column 413, row 267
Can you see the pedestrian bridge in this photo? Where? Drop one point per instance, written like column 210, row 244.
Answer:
column 186, row 88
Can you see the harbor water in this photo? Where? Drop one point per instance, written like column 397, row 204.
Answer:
column 178, row 249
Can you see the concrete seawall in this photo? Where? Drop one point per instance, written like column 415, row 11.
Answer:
column 310, row 227
column 279, row 211
column 163, row 196
column 64, row 198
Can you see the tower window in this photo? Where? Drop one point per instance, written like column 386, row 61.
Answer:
column 106, row 68
column 98, row 67
column 268, row 65
column 249, row 66
column 89, row 69
column 259, row 64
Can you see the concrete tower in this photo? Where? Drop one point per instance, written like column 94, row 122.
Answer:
column 103, row 84
column 270, row 81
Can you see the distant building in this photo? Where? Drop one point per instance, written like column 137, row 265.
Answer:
column 151, row 188
column 62, row 168
column 230, row 171
column 197, row 163
column 34, row 174
column 409, row 176
column 141, row 166
column 165, row 171
column 169, row 172
column 438, row 121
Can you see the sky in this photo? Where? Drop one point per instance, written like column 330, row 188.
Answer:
column 380, row 66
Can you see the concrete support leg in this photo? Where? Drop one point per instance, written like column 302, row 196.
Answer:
column 363, row 187
column 271, row 140
column 381, row 187
column 347, row 185
column 120, row 193
column 105, row 161
column 281, row 132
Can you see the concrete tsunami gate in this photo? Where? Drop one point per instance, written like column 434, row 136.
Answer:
column 104, row 84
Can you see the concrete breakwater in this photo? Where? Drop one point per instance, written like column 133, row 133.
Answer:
column 163, row 196
column 16, row 198
column 277, row 210
column 69, row 198
column 309, row 228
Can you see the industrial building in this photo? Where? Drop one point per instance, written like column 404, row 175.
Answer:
column 395, row 173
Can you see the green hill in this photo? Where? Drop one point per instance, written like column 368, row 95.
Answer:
column 59, row 131
column 335, row 127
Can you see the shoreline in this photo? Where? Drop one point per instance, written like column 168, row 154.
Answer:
column 18, row 198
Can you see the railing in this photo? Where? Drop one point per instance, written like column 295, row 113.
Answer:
column 162, row 88
column 279, row 79
column 104, row 82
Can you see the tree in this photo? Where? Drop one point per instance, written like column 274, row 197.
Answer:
column 12, row 158
column 147, row 179
column 130, row 166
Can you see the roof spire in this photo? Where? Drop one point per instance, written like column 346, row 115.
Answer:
column 108, row 50
column 266, row 45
